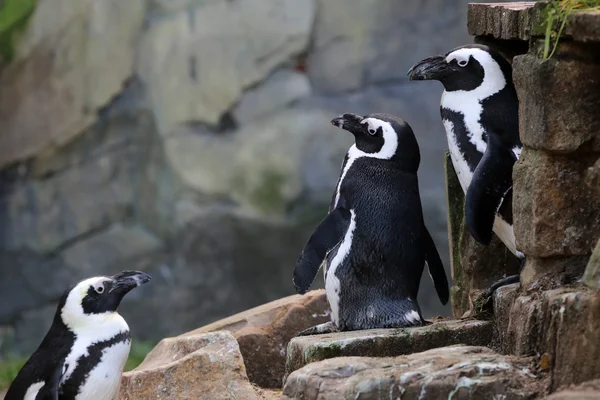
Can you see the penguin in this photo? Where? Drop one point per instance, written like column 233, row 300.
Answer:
column 373, row 242
column 83, row 354
column 479, row 109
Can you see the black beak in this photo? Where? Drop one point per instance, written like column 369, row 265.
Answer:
column 349, row 122
column 127, row 280
column 431, row 68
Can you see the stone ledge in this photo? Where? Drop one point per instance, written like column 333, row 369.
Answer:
column 386, row 342
column 457, row 372
column 522, row 20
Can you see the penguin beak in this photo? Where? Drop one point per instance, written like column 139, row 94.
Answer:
column 431, row 68
column 349, row 122
column 125, row 281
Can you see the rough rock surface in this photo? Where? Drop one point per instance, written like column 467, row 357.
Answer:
column 510, row 21
column 591, row 277
column 263, row 333
column 303, row 350
column 207, row 366
column 546, row 222
column 446, row 372
column 586, row 391
column 474, row 266
column 563, row 323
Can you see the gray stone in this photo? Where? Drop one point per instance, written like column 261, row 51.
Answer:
column 591, row 277
column 261, row 165
column 213, row 51
column 101, row 253
column 277, row 91
column 446, row 372
column 65, row 91
column 510, row 21
column 304, row 350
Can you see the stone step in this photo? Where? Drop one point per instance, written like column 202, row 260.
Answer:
column 303, row 350
column 455, row 372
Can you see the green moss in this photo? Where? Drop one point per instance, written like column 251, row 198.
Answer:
column 268, row 196
column 139, row 351
column 323, row 352
column 9, row 368
column 13, row 16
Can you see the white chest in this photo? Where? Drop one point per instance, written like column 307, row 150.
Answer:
column 104, row 380
column 463, row 171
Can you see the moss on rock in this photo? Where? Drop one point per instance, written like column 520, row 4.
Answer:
column 13, row 16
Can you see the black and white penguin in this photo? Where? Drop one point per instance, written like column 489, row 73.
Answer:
column 84, row 352
column 479, row 110
column 373, row 242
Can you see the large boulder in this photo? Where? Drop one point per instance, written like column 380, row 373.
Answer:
column 446, row 372
column 207, row 366
column 263, row 333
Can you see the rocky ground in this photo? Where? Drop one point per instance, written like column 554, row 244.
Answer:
column 254, row 355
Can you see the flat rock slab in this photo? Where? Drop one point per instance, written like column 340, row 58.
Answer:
column 586, row 391
column 524, row 19
column 456, row 372
column 386, row 342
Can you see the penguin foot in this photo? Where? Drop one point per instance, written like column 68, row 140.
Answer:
column 509, row 280
column 327, row 327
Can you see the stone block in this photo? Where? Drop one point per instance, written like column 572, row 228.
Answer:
column 459, row 372
column 507, row 21
column 591, row 276
column 559, row 97
column 586, row 391
column 207, row 366
column 304, row 350
column 564, row 323
column 474, row 266
column 263, row 333
column 555, row 213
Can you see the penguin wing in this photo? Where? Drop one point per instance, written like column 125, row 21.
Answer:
column 436, row 268
column 491, row 181
column 50, row 389
column 327, row 235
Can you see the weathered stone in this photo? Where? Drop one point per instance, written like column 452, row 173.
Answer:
column 547, row 224
column 65, row 92
column 592, row 177
column 591, row 277
column 583, row 26
column 586, row 391
column 501, row 21
column 213, row 51
column 98, row 254
column 261, row 165
column 562, row 323
column 446, row 372
column 304, row 350
column 552, row 272
column 207, row 366
column 474, row 266
column 558, row 98
column 280, row 89
column 263, row 333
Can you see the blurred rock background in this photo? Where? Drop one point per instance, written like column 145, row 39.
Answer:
column 191, row 139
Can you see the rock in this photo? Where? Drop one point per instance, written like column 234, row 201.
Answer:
column 560, row 322
column 586, row 391
column 304, row 350
column 65, row 92
column 261, row 165
column 214, row 50
column 474, row 266
column 365, row 42
column 276, row 92
column 546, row 222
column 591, row 276
column 446, row 372
column 207, row 366
column 509, row 21
column 264, row 332
column 565, row 120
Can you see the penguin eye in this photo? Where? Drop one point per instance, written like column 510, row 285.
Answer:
column 99, row 289
column 463, row 63
column 372, row 131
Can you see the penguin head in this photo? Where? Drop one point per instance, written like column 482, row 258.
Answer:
column 99, row 295
column 466, row 68
column 382, row 136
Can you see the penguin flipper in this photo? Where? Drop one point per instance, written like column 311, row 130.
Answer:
column 436, row 269
column 50, row 390
column 327, row 235
column 491, row 181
